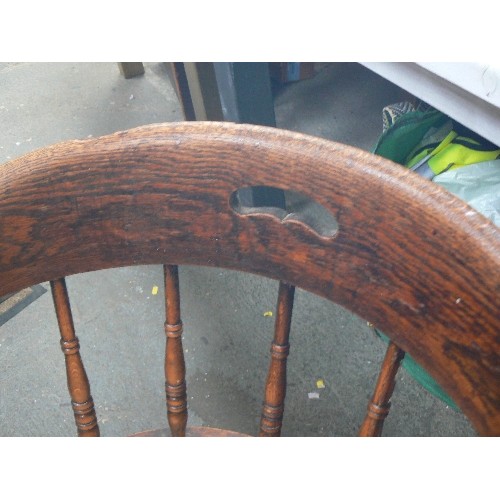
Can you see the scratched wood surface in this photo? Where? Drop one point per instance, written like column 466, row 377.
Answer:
column 407, row 256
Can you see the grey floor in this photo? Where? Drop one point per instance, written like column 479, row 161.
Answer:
column 119, row 320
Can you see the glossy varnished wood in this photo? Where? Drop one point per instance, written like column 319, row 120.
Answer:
column 380, row 404
column 409, row 257
column 175, row 366
column 78, row 383
column 275, row 392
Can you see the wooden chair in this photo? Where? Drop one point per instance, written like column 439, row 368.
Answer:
column 403, row 254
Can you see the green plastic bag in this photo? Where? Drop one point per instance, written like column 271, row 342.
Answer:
column 407, row 131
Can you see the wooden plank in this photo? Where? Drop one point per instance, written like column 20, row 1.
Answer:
column 178, row 78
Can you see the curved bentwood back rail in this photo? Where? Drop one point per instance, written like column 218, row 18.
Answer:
column 405, row 255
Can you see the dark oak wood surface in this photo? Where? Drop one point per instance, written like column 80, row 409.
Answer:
column 412, row 259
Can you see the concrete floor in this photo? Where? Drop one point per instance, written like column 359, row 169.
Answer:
column 120, row 322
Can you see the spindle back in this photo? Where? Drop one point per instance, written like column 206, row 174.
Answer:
column 397, row 250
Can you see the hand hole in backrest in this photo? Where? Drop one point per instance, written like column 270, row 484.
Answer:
column 299, row 208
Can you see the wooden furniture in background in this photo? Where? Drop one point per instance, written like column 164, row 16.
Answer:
column 405, row 255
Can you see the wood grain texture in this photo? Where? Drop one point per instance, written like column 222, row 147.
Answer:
column 408, row 256
column 380, row 404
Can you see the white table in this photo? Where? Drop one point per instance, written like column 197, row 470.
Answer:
column 467, row 92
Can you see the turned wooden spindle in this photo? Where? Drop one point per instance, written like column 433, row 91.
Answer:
column 164, row 191
column 175, row 368
column 78, row 383
column 273, row 406
column 380, row 404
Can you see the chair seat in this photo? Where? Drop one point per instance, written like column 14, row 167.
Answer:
column 193, row 431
